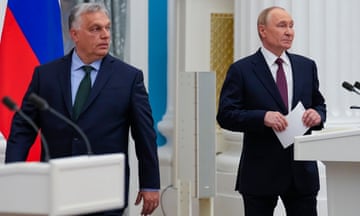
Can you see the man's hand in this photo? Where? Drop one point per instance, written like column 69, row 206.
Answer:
column 275, row 120
column 311, row 118
column 150, row 201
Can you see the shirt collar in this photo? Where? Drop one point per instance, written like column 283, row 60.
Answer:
column 270, row 58
column 76, row 62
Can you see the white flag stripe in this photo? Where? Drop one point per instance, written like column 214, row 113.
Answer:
column 3, row 5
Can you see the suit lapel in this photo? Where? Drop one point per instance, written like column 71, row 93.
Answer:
column 102, row 78
column 296, row 68
column 65, row 81
column 267, row 79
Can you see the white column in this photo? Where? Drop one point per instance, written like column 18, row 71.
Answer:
column 166, row 125
column 137, row 55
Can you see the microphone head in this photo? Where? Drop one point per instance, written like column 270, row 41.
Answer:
column 348, row 86
column 38, row 101
column 10, row 104
column 357, row 85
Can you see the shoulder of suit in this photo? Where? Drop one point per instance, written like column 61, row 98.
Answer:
column 119, row 63
column 250, row 59
column 298, row 57
column 56, row 63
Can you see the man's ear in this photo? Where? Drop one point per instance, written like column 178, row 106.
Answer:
column 73, row 34
column 261, row 30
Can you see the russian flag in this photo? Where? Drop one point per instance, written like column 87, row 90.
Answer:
column 31, row 35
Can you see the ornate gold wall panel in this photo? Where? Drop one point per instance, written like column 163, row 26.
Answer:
column 222, row 47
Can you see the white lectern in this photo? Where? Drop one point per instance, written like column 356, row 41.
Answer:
column 340, row 152
column 66, row 186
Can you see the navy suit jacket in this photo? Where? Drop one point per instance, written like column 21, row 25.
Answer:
column 248, row 92
column 117, row 103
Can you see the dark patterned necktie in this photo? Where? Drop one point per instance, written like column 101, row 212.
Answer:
column 281, row 81
column 82, row 92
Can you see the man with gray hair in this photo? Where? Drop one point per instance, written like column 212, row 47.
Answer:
column 103, row 95
column 257, row 94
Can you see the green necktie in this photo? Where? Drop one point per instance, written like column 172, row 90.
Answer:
column 82, row 92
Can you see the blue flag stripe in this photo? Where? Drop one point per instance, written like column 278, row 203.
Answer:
column 40, row 22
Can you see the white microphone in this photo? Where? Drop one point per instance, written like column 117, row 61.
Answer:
column 11, row 105
column 43, row 105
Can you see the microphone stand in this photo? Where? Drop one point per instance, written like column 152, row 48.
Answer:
column 352, row 88
column 43, row 105
column 86, row 140
column 356, row 86
column 357, row 92
column 13, row 107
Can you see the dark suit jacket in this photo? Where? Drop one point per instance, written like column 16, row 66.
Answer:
column 248, row 92
column 118, row 101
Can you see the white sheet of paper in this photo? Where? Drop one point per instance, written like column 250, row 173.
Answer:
column 295, row 126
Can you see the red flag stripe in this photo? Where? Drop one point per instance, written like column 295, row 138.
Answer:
column 17, row 61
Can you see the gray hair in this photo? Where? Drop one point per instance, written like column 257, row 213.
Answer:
column 74, row 17
column 264, row 16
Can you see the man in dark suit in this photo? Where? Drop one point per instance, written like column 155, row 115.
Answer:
column 251, row 102
column 117, row 102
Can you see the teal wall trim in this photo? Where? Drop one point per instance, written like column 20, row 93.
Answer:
column 158, row 62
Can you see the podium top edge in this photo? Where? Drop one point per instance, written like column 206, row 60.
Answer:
column 340, row 132
column 43, row 167
column 24, row 167
column 118, row 157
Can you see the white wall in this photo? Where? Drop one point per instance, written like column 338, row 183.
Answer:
column 136, row 54
column 137, row 36
column 196, row 15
